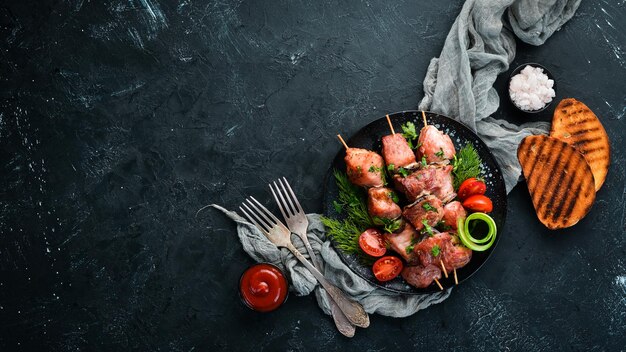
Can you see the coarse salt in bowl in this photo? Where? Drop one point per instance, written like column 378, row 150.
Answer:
column 531, row 88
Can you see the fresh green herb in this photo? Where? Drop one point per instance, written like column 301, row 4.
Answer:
column 428, row 207
column 391, row 167
column 435, row 250
column 388, row 225
column 410, row 247
column 394, row 197
column 418, row 145
column 439, row 154
column 427, row 228
column 353, row 200
column 424, row 163
column 338, row 207
column 374, row 169
column 344, row 233
column 466, row 164
column 410, row 134
column 404, row 172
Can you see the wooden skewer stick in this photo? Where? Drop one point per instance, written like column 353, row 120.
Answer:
column 342, row 141
column 456, row 280
column 443, row 267
column 390, row 125
column 424, row 118
column 438, row 284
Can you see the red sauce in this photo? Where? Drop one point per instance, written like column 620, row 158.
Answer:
column 263, row 287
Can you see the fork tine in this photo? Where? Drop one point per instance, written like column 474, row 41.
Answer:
column 293, row 196
column 280, row 205
column 253, row 221
column 264, row 209
column 284, row 196
column 254, row 216
column 258, row 214
column 292, row 206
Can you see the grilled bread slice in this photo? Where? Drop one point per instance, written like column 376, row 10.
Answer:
column 559, row 180
column 575, row 124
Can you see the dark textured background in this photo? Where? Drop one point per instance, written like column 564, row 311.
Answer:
column 120, row 119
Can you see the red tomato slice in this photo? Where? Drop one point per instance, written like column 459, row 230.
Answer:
column 478, row 202
column 387, row 268
column 372, row 242
column 470, row 187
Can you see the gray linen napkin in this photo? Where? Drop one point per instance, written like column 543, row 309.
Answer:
column 458, row 84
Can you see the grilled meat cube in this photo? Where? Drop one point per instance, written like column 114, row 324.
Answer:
column 380, row 203
column 402, row 240
column 428, row 209
column 364, row 167
column 434, row 179
column 396, row 151
column 435, row 145
column 452, row 212
column 431, row 249
column 455, row 255
column 420, row 276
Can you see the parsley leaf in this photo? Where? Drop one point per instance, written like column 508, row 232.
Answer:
column 391, row 167
column 435, row 250
column 394, row 197
column 410, row 247
column 410, row 134
column 428, row 207
column 427, row 228
column 389, row 225
column 424, row 163
column 404, row 172
column 439, row 153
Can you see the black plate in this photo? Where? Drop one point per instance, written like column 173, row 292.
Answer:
column 369, row 138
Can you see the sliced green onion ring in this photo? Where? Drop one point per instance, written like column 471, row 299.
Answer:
column 468, row 240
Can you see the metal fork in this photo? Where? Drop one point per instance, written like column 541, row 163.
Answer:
column 279, row 234
column 298, row 223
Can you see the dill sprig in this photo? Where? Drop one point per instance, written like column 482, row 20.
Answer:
column 352, row 199
column 345, row 233
column 466, row 165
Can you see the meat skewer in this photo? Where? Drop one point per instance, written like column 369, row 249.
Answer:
column 364, row 167
column 438, row 284
column 390, row 125
column 343, row 142
column 456, row 280
column 435, row 145
column 443, row 268
column 396, row 150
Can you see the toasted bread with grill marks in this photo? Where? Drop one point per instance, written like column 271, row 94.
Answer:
column 575, row 124
column 559, row 180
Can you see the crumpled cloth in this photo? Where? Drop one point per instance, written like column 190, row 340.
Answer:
column 458, row 84
column 480, row 45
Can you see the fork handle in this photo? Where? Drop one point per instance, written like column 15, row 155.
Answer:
column 353, row 310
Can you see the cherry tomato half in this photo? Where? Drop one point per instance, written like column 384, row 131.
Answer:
column 372, row 242
column 478, row 202
column 387, row 268
column 470, row 187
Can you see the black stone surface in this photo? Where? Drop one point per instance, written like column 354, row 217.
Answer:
column 120, row 119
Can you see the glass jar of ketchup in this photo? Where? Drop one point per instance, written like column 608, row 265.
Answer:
column 263, row 287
